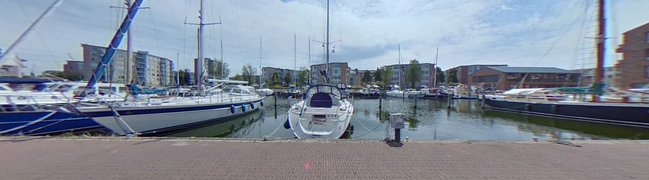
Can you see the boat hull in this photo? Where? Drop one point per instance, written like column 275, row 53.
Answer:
column 51, row 123
column 610, row 113
column 304, row 125
column 160, row 119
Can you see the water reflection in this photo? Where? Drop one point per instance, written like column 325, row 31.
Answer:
column 431, row 119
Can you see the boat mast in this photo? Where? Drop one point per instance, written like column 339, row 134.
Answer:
column 127, row 79
column 309, row 72
column 114, row 43
column 200, row 70
column 327, row 46
column 399, row 47
column 261, row 71
column 435, row 69
column 294, row 58
column 599, row 70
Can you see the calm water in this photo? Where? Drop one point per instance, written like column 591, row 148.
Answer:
column 464, row 120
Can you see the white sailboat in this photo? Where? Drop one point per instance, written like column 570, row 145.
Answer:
column 262, row 91
column 157, row 115
column 324, row 112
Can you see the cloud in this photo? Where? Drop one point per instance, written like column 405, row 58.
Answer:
column 520, row 33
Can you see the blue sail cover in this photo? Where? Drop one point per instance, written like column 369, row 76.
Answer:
column 114, row 43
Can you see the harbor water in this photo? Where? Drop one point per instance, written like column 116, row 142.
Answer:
column 458, row 119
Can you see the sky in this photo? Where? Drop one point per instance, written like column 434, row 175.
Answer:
column 366, row 34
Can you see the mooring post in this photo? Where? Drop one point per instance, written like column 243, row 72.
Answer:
column 415, row 101
column 380, row 104
column 482, row 102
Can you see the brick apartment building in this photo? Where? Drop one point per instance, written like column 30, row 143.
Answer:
column 505, row 78
column 633, row 68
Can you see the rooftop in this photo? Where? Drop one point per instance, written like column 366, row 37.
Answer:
column 531, row 70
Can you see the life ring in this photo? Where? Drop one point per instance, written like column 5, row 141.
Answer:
column 232, row 109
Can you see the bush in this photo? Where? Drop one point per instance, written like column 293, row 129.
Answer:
column 275, row 87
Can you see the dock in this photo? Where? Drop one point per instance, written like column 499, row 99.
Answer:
column 211, row 158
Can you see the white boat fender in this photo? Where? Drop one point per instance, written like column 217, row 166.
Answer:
column 232, row 109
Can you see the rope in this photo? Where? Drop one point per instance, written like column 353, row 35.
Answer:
column 29, row 124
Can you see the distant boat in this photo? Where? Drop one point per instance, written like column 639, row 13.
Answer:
column 370, row 92
column 264, row 92
column 603, row 106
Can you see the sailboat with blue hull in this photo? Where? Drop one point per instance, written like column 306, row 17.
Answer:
column 36, row 111
column 158, row 115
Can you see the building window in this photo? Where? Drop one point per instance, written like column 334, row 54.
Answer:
column 646, row 37
column 646, row 56
column 646, row 71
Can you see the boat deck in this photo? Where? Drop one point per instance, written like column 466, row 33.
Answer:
column 189, row 158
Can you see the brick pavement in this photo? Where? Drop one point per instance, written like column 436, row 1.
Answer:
column 186, row 158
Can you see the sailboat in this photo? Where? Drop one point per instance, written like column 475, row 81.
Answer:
column 262, row 91
column 557, row 102
column 158, row 115
column 324, row 112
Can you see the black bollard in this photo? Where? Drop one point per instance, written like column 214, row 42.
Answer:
column 397, row 135
column 380, row 102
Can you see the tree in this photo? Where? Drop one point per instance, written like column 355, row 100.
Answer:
column 247, row 71
column 303, row 76
column 386, row 74
column 183, row 78
column 72, row 76
column 367, row 77
column 440, row 76
column 377, row 74
column 287, row 79
column 216, row 72
column 451, row 76
column 413, row 73
column 275, row 79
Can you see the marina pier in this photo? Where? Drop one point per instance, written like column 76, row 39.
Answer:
column 198, row 158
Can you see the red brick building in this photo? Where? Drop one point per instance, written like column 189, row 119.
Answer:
column 633, row 68
column 505, row 78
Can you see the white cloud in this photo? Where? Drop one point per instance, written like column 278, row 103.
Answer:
column 519, row 33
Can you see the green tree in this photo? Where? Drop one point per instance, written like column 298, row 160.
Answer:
column 275, row 79
column 287, row 79
column 367, row 77
column 247, row 71
column 386, row 75
column 72, row 76
column 238, row 77
column 377, row 74
column 451, row 76
column 413, row 73
column 440, row 76
column 303, row 76
column 216, row 71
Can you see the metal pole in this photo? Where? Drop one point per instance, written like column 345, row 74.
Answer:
column 327, row 43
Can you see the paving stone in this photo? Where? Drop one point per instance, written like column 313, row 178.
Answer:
column 197, row 158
